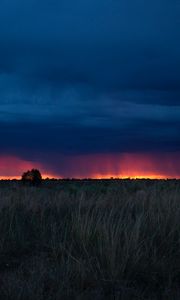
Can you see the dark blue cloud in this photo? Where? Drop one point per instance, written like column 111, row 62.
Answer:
column 104, row 44
column 89, row 76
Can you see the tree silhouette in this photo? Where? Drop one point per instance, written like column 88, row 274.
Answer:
column 32, row 177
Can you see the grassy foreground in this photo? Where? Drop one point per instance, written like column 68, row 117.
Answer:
column 108, row 239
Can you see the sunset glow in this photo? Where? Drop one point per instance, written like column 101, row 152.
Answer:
column 13, row 167
column 111, row 176
column 127, row 165
column 97, row 166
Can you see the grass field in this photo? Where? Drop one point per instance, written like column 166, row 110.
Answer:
column 90, row 239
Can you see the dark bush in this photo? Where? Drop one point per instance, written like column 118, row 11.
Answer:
column 32, row 177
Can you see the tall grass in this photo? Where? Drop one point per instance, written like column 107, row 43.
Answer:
column 90, row 240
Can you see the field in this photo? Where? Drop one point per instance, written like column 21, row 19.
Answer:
column 90, row 239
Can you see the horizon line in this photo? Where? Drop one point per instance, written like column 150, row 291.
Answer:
column 12, row 178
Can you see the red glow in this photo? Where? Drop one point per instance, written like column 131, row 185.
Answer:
column 124, row 165
column 149, row 176
column 13, row 167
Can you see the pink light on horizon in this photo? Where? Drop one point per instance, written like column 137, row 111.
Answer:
column 12, row 167
column 124, row 165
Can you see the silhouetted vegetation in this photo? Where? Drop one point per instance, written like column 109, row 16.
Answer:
column 90, row 239
column 32, row 177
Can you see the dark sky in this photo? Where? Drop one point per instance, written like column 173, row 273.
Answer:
column 87, row 82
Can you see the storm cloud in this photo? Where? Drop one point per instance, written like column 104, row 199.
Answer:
column 87, row 77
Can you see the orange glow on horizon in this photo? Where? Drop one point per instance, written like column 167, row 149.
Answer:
column 44, row 176
column 13, row 167
column 98, row 166
column 127, row 165
column 148, row 176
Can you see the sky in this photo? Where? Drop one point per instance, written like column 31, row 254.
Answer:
column 90, row 88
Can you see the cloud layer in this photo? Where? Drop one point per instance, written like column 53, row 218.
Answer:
column 88, row 77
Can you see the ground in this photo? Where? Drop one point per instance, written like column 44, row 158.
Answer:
column 90, row 239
